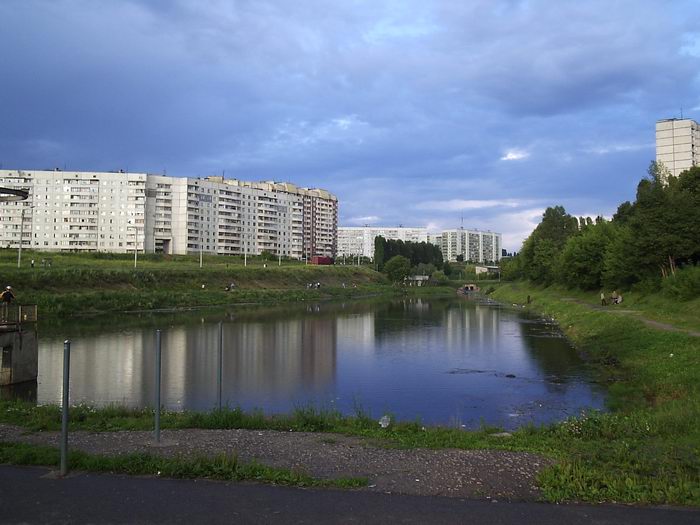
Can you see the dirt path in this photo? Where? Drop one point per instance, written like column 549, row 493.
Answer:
column 447, row 472
column 658, row 325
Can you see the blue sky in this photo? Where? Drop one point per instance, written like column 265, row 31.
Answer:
column 412, row 112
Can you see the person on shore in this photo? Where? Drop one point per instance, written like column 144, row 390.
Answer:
column 32, row 263
column 603, row 302
column 7, row 296
column 613, row 297
column 619, row 299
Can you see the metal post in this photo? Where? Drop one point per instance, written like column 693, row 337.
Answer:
column 219, row 378
column 245, row 253
column 21, row 238
column 136, row 252
column 157, row 413
column 279, row 259
column 64, row 408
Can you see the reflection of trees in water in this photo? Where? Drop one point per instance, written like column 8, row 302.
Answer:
column 555, row 357
column 454, row 325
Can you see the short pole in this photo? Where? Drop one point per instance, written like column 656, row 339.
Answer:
column 64, row 408
column 157, row 413
column 220, row 365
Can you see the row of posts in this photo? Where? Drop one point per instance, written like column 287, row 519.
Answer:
column 156, row 433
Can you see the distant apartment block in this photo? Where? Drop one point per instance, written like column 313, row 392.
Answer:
column 354, row 241
column 122, row 212
column 472, row 245
column 678, row 144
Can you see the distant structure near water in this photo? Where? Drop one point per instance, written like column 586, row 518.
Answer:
column 678, row 144
column 356, row 241
column 138, row 212
column 463, row 244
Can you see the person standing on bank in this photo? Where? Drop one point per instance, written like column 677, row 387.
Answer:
column 6, row 297
column 603, row 302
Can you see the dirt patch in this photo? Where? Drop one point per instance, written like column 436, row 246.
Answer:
column 447, row 472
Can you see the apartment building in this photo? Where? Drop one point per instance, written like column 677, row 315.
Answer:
column 471, row 245
column 74, row 211
column 678, row 144
column 354, row 241
column 123, row 212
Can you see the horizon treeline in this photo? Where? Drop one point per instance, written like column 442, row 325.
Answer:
column 647, row 241
column 416, row 252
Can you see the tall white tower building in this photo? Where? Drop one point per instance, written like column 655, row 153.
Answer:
column 678, row 144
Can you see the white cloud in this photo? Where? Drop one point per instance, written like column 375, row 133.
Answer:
column 515, row 226
column 515, row 154
column 468, row 204
column 370, row 219
column 618, row 148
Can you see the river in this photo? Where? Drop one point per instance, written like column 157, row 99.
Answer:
column 449, row 361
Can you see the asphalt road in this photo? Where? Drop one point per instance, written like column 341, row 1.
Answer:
column 32, row 495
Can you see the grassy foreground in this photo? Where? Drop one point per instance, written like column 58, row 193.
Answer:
column 221, row 467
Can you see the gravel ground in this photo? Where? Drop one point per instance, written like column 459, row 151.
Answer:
column 448, row 472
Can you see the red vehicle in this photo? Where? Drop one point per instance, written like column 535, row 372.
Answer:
column 321, row 259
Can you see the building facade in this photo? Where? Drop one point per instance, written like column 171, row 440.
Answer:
column 123, row 212
column 471, row 245
column 678, row 144
column 354, row 241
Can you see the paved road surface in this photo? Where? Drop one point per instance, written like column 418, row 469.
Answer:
column 30, row 495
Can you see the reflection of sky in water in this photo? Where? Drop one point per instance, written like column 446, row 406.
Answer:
column 443, row 361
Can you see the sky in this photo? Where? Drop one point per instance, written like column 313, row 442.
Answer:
column 438, row 114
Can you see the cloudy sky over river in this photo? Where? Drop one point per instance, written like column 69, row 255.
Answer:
column 411, row 112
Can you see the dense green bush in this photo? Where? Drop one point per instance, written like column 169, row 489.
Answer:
column 684, row 285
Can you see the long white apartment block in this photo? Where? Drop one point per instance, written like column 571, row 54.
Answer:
column 472, row 245
column 678, row 144
column 354, row 241
column 122, row 212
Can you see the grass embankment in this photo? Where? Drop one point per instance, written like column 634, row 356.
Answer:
column 96, row 283
column 648, row 448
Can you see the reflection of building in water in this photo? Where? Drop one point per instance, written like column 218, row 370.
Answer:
column 18, row 354
column 277, row 357
column 358, row 330
column 471, row 325
column 111, row 368
column 280, row 356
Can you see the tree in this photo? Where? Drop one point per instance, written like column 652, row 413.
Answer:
column 397, row 268
column 379, row 252
column 541, row 249
column 581, row 260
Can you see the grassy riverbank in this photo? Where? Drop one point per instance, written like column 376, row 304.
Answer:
column 98, row 283
column 648, row 448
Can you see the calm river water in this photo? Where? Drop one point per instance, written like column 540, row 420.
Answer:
column 448, row 361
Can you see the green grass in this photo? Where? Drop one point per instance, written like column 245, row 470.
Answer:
column 220, row 467
column 79, row 284
column 648, row 448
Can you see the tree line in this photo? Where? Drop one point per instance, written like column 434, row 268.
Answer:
column 646, row 241
column 416, row 252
